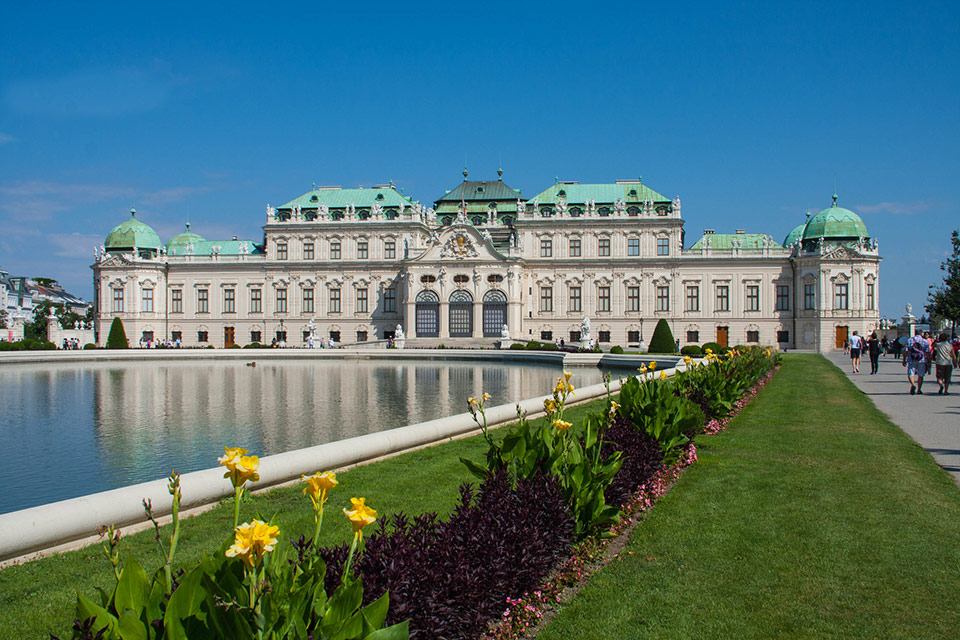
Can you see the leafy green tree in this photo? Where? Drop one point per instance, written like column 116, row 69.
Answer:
column 662, row 340
column 944, row 300
column 36, row 329
column 118, row 337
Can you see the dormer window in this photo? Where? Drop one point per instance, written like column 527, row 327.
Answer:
column 604, row 211
column 379, row 196
column 314, row 199
column 633, row 211
column 477, row 220
column 576, row 212
column 480, row 189
column 364, row 215
column 632, row 193
column 562, row 193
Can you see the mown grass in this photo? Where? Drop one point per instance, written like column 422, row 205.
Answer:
column 812, row 516
column 38, row 598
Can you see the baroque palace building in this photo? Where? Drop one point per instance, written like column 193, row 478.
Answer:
column 353, row 264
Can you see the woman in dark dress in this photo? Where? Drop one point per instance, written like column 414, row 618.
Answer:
column 873, row 346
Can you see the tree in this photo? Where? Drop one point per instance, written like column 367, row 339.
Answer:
column 662, row 340
column 944, row 300
column 36, row 329
column 118, row 337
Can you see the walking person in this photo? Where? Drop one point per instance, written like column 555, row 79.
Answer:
column 856, row 348
column 915, row 360
column 885, row 345
column 946, row 360
column 874, row 347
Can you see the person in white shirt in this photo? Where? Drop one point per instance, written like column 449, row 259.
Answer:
column 856, row 349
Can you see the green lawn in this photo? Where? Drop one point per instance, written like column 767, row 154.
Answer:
column 38, row 598
column 812, row 516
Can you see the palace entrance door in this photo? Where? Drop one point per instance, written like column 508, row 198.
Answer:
column 427, row 314
column 461, row 314
column 842, row 337
column 723, row 336
column 494, row 313
column 228, row 337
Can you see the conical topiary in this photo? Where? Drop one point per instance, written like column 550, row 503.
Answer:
column 662, row 340
column 118, row 337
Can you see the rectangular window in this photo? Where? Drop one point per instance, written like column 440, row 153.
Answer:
column 281, row 300
column 308, row 251
column 203, row 301
column 389, row 250
column 118, row 300
column 546, row 298
column 633, row 298
column 603, row 336
column 783, row 297
column 574, row 336
column 603, row 247
column 783, row 336
column 840, row 297
column 334, row 249
column 870, row 296
column 361, row 336
column 546, row 248
column 693, row 337
column 390, row 300
column 546, row 335
column 633, row 246
column 256, row 301
column 663, row 246
column 723, row 297
column 281, row 337
column 363, row 251
column 229, row 300
column 693, row 298
column 575, row 299
column 362, row 300
column 335, row 336
column 663, row 298
column 176, row 335
column 753, row 297
column 574, row 247
column 147, row 300
column 281, row 251
column 334, row 300
column 753, row 336
column 176, row 301
column 255, row 336
column 201, row 336
column 308, row 300
column 633, row 336
column 809, row 296
column 603, row 299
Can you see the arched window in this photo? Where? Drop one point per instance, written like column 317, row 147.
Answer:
column 494, row 312
column 461, row 314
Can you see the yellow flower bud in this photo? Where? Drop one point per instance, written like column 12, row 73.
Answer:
column 561, row 425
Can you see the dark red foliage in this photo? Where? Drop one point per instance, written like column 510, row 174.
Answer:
column 451, row 578
column 641, row 459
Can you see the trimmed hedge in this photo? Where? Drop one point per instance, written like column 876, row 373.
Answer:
column 662, row 340
column 117, row 338
column 616, row 349
column 713, row 346
column 691, row 350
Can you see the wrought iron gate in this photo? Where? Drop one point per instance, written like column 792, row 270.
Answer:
column 494, row 313
column 461, row 314
column 428, row 314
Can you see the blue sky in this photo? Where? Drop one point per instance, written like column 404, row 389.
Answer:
column 750, row 112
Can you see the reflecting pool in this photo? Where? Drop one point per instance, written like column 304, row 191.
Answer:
column 73, row 429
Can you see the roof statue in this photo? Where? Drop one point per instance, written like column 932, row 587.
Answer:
column 561, row 206
column 619, row 206
column 376, row 209
column 520, row 207
column 271, row 213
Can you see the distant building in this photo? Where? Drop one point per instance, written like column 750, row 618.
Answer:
column 362, row 261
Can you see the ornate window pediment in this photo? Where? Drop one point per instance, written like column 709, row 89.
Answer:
column 662, row 280
column 546, row 281
column 633, row 281
column 870, row 277
column 840, row 278
column 575, row 281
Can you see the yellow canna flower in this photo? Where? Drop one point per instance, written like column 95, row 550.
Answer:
column 708, row 350
column 549, row 406
column 567, row 375
column 663, row 375
column 252, row 541
column 561, row 425
column 614, row 406
column 241, row 469
column 231, row 455
column 687, row 359
column 642, row 369
column 472, row 401
column 318, row 485
column 652, row 366
column 360, row 516
column 486, row 396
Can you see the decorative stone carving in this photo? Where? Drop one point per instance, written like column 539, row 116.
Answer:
column 459, row 245
column 377, row 210
column 504, row 332
column 271, row 213
column 400, row 335
column 585, row 330
column 619, row 206
column 520, row 207
column 561, row 206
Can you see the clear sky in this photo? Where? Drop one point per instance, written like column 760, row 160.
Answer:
column 751, row 112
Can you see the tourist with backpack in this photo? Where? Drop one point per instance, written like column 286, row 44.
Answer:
column 915, row 360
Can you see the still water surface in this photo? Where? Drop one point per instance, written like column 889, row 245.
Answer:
column 73, row 429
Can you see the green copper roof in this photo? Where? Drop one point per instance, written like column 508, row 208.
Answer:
column 725, row 241
column 480, row 190
column 601, row 193
column 180, row 241
column 835, row 222
column 338, row 198
column 796, row 234
column 130, row 234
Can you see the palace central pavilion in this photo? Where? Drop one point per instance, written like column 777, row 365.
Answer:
column 354, row 264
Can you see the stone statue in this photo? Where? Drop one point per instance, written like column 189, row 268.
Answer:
column 297, row 213
column 402, row 208
column 324, row 210
column 909, row 308
column 676, row 206
column 619, row 206
column 377, row 210
column 520, row 207
column 561, row 206
column 504, row 332
column 486, row 235
column 400, row 335
column 271, row 213
column 585, row 330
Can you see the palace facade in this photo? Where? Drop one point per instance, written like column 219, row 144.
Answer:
column 359, row 262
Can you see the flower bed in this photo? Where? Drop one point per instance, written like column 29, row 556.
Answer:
column 550, row 494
